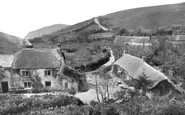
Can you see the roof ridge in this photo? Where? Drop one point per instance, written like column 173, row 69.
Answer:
column 56, row 55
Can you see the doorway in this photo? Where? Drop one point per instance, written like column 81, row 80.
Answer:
column 4, row 86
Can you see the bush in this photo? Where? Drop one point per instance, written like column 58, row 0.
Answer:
column 70, row 50
column 72, row 91
column 18, row 104
column 173, row 110
column 67, row 105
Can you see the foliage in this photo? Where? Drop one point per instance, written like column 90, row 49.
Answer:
column 72, row 91
column 104, row 85
column 36, row 40
column 167, row 57
column 2, row 76
column 15, row 104
column 65, row 105
column 142, row 83
column 69, row 49
column 83, row 37
column 36, row 82
column 157, row 31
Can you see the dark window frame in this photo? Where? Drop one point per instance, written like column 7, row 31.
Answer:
column 25, row 73
column 48, row 73
column 27, row 84
column 47, row 83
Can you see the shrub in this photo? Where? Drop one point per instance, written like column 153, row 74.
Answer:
column 18, row 104
column 72, row 91
column 173, row 110
column 70, row 50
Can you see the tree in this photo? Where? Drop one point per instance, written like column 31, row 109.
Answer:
column 104, row 85
column 53, row 40
column 122, row 32
column 143, row 83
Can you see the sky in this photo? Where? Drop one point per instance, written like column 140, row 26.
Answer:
column 18, row 17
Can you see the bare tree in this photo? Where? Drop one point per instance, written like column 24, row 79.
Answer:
column 104, row 86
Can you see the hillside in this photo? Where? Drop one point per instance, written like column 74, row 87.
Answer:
column 10, row 44
column 45, row 31
column 78, row 36
column 147, row 17
column 69, row 34
column 79, row 42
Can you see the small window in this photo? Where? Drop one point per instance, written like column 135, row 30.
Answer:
column 25, row 73
column 47, row 83
column 66, row 85
column 47, row 72
column 27, row 84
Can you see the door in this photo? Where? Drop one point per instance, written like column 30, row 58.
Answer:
column 4, row 86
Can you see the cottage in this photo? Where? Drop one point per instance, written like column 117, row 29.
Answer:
column 34, row 69
column 129, row 68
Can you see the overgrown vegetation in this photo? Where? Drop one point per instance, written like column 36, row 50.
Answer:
column 16, row 104
column 162, row 54
column 65, row 105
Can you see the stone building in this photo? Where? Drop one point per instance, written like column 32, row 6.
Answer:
column 34, row 69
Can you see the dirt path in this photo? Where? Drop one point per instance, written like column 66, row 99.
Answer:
column 97, row 22
column 111, row 60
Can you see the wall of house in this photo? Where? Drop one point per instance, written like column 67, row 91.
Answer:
column 70, row 84
column 119, row 72
column 56, row 82
column 16, row 81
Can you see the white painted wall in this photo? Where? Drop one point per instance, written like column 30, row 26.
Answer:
column 17, row 81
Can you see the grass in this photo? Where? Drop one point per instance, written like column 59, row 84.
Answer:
column 147, row 17
column 9, row 44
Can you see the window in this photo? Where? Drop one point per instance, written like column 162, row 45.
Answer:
column 25, row 73
column 47, row 83
column 27, row 84
column 47, row 72
column 66, row 85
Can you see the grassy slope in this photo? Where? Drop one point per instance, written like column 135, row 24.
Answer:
column 45, row 31
column 148, row 17
column 9, row 44
column 69, row 32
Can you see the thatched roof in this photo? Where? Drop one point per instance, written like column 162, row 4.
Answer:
column 135, row 67
column 31, row 58
column 6, row 60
